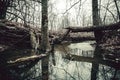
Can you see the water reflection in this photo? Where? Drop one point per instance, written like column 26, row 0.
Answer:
column 79, row 61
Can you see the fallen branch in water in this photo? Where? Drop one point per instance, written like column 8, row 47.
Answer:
column 24, row 59
column 90, row 60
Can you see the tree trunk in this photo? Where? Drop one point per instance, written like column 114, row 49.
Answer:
column 4, row 4
column 118, row 12
column 98, row 34
column 94, row 28
column 44, row 28
column 44, row 39
column 95, row 65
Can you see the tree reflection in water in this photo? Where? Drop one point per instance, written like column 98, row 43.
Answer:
column 72, row 63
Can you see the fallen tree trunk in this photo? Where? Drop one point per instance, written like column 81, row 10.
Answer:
column 13, row 34
column 17, row 35
column 79, row 39
column 95, row 28
column 90, row 60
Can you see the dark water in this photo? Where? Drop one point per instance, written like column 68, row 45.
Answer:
column 78, row 61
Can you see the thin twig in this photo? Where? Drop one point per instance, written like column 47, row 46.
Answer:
column 71, row 6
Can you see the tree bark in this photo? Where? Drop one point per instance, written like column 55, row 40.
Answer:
column 95, row 15
column 44, row 27
column 44, row 40
column 98, row 37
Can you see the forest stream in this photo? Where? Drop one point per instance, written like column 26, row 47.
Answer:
column 59, row 39
column 76, row 61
